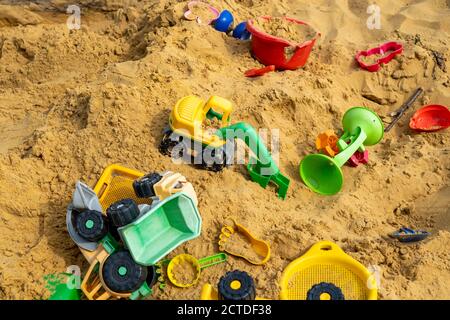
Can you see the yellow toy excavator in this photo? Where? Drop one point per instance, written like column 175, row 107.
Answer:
column 188, row 134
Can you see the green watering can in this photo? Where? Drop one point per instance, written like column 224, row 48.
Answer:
column 323, row 174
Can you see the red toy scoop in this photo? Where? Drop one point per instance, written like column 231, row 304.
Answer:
column 431, row 118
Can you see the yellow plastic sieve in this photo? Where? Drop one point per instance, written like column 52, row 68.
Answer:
column 326, row 262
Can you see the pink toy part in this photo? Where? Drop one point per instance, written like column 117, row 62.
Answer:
column 388, row 50
column 359, row 158
column 430, row 118
column 189, row 14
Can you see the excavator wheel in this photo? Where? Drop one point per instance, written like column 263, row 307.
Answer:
column 167, row 144
column 215, row 167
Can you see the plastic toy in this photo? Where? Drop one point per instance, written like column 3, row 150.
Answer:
column 409, row 235
column 323, row 174
column 121, row 279
column 240, row 31
column 430, row 118
column 260, row 247
column 58, row 285
column 224, row 22
column 359, row 158
column 259, row 72
column 324, row 291
column 186, row 123
column 123, row 247
column 326, row 142
column 234, row 285
column 156, row 232
column 197, row 266
column 270, row 50
column 326, row 263
column 388, row 51
column 189, row 14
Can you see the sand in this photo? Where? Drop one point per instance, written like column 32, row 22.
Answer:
column 73, row 102
column 285, row 29
column 184, row 273
column 372, row 59
column 202, row 11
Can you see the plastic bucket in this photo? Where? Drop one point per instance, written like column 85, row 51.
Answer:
column 270, row 50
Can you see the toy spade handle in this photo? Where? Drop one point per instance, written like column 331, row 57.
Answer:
column 212, row 260
column 348, row 152
column 400, row 112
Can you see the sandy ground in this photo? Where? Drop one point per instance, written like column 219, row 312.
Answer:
column 73, row 102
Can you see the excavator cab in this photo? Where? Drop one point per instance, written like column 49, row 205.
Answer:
column 218, row 108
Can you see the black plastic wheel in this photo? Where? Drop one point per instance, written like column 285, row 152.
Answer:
column 218, row 160
column 152, row 276
column 112, row 229
column 121, row 274
column 123, row 212
column 331, row 292
column 167, row 144
column 91, row 225
column 143, row 187
column 237, row 285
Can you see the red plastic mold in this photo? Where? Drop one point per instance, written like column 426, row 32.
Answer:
column 393, row 48
column 270, row 50
column 430, row 118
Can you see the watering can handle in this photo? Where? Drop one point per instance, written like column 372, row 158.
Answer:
column 348, row 152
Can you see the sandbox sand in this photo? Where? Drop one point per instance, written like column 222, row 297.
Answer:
column 282, row 28
column 73, row 102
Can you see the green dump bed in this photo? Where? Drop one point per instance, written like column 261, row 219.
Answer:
column 159, row 231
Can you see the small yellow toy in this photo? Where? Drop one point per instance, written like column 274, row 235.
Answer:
column 194, row 264
column 326, row 272
column 260, row 247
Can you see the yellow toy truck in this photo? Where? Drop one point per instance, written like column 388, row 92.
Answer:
column 190, row 136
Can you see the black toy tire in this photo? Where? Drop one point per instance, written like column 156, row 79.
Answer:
column 247, row 290
column 143, row 187
column 167, row 144
column 112, row 229
column 215, row 167
column 152, row 276
column 123, row 212
column 132, row 280
column 99, row 227
column 315, row 292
